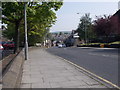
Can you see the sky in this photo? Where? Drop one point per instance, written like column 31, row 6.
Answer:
column 68, row 19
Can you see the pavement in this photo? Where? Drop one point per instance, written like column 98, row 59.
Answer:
column 44, row 70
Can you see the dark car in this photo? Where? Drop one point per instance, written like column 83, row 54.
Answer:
column 9, row 45
column 2, row 42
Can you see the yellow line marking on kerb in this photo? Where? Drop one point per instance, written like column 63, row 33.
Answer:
column 91, row 73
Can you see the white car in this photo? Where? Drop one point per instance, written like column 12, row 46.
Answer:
column 61, row 45
column 1, row 47
column 38, row 44
column 1, row 50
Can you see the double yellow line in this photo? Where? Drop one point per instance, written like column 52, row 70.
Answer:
column 106, row 81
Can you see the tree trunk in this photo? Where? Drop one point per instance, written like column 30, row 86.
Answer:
column 16, row 37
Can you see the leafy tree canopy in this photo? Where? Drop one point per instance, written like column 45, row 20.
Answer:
column 40, row 17
column 85, row 27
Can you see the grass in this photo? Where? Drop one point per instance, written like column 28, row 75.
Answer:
column 99, row 44
column 116, row 42
column 93, row 44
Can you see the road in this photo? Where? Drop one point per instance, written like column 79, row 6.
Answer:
column 103, row 62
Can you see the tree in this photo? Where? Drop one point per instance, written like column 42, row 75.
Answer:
column 40, row 15
column 106, row 27
column 9, row 33
column 60, row 33
column 85, row 28
column 13, row 13
column 39, row 22
column 101, row 26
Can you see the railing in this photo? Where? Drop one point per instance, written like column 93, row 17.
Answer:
column 5, row 53
column 7, row 58
column 12, row 70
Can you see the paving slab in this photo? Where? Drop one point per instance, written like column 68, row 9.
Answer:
column 44, row 70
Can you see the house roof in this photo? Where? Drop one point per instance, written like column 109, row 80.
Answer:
column 117, row 14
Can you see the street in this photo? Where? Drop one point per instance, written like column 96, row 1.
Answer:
column 102, row 62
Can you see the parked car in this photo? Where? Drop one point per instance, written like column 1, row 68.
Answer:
column 61, row 45
column 9, row 45
column 1, row 50
column 38, row 44
column 1, row 47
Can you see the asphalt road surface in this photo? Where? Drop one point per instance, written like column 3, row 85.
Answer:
column 103, row 62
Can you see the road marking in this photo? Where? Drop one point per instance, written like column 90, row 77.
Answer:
column 104, row 55
column 106, row 81
column 96, row 48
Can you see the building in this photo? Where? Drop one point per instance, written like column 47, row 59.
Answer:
column 60, row 35
column 116, row 21
column 118, row 5
column 117, row 14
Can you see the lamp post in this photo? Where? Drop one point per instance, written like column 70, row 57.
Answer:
column 26, row 41
column 85, row 31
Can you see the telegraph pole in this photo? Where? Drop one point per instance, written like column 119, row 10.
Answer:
column 85, row 32
column 26, row 41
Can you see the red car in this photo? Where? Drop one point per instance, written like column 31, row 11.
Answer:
column 9, row 45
